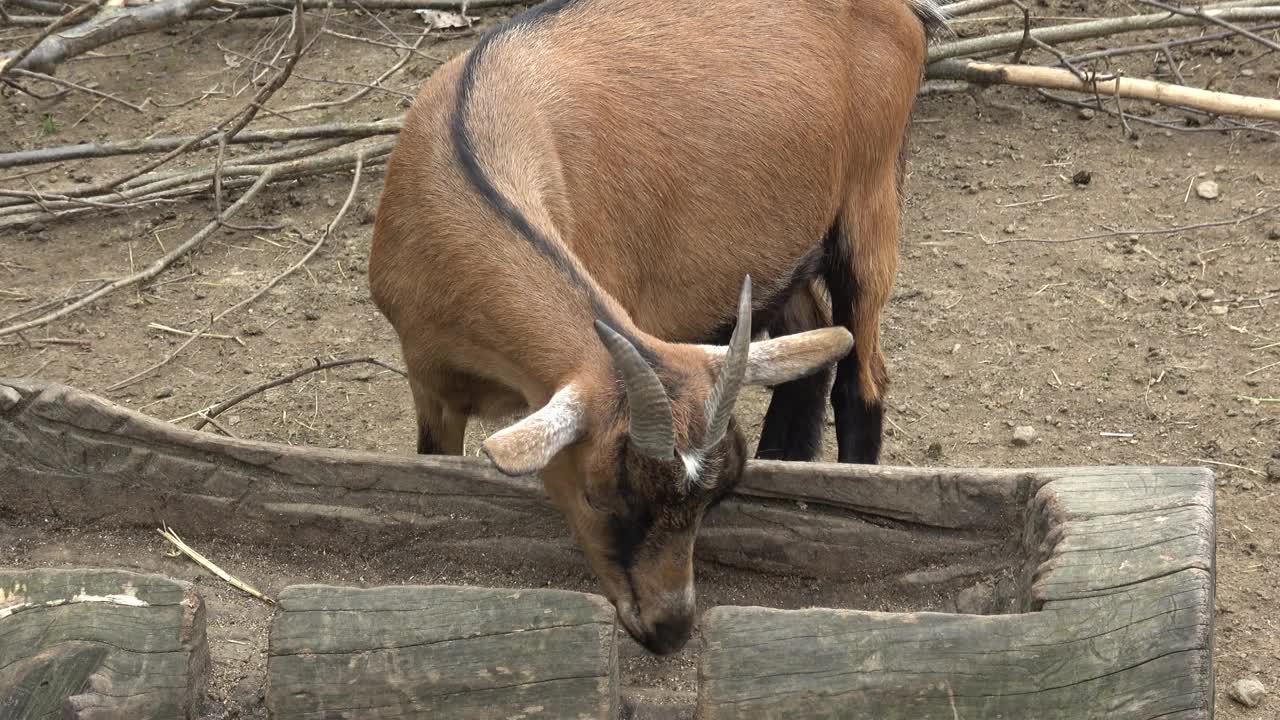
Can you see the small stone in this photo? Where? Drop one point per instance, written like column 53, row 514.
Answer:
column 1273, row 471
column 934, row 451
column 1273, row 232
column 233, row 420
column 8, row 397
column 1023, row 435
column 164, row 392
column 1247, row 692
column 1247, row 72
column 1219, row 168
column 1205, row 293
column 1010, row 229
column 1086, row 113
column 1084, row 177
column 310, row 315
column 1168, row 295
column 1207, row 190
column 1218, row 310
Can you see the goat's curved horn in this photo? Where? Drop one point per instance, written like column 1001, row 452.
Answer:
column 652, row 427
column 724, row 394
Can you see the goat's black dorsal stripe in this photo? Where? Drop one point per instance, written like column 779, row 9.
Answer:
column 467, row 156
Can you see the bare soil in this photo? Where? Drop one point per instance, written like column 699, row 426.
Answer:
column 1119, row 348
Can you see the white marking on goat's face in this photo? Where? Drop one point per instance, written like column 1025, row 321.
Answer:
column 693, row 466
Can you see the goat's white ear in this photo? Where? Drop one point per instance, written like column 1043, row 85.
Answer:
column 789, row 357
column 528, row 445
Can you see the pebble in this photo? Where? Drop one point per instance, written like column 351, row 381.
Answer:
column 1207, row 190
column 1168, row 296
column 1273, row 471
column 1023, row 435
column 1218, row 310
column 1086, row 113
column 164, row 393
column 934, row 451
column 1205, row 293
column 1247, row 692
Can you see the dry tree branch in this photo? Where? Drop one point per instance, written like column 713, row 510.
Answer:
column 18, row 59
column 375, row 85
column 154, row 268
column 969, row 7
column 74, row 86
column 82, row 151
column 54, row 47
column 328, row 231
column 206, row 415
column 985, row 73
column 1213, row 20
column 1158, row 46
column 1000, row 42
column 185, row 184
column 237, row 121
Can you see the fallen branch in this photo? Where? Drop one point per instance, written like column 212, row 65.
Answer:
column 1001, row 42
column 54, row 47
column 986, row 73
column 154, row 268
column 187, row 184
column 16, row 60
column 68, row 84
column 83, row 151
column 185, row 549
column 207, row 414
column 1244, row 32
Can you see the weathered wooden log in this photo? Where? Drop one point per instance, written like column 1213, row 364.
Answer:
column 100, row 644
column 441, row 652
column 1118, row 624
column 101, row 465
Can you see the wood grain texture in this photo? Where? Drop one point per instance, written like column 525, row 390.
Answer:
column 1119, row 584
column 100, row 644
column 101, row 465
column 447, row 652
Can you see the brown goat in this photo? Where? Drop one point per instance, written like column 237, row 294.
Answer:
column 568, row 219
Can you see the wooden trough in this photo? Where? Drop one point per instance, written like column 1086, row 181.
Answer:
column 1060, row 593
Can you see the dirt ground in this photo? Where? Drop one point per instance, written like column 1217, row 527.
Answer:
column 1027, row 296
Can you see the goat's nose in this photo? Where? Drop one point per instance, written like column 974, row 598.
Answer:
column 669, row 635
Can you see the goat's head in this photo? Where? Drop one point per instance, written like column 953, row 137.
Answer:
column 634, row 455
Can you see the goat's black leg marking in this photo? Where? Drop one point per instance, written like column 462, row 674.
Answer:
column 427, row 444
column 793, row 424
column 859, row 422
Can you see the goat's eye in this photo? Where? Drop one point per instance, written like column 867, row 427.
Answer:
column 597, row 503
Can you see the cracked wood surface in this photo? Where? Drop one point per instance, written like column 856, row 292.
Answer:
column 99, row 644
column 437, row 651
column 77, row 459
column 1118, row 591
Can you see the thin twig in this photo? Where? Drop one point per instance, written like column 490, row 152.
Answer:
column 1230, row 465
column 1214, row 20
column 215, row 410
column 1160, row 231
column 168, row 358
column 154, row 268
column 74, row 86
column 355, row 183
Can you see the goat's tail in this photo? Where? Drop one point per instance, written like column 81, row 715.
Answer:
column 932, row 14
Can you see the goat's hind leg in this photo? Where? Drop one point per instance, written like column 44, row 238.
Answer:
column 441, row 431
column 862, row 262
column 793, row 423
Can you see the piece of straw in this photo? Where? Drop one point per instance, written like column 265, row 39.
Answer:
column 185, row 549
